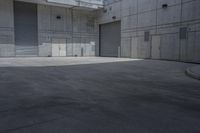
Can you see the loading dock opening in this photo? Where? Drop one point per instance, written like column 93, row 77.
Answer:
column 110, row 39
column 26, row 29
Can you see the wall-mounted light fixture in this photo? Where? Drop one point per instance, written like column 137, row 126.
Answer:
column 58, row 17
column 164, row 6
column 114, row 17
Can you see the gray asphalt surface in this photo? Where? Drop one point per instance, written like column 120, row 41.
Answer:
column 119, row 97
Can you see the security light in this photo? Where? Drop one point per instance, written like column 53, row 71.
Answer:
column 58, row 17
column 114, row 17
column 164, row 6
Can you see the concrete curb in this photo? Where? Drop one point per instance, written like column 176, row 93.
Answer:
column 193, row 72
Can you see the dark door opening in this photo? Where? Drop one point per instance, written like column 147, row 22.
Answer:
column 110, row 39
column 26, row 29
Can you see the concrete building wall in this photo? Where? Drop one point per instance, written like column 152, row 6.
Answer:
column 147, row 29
column 7, row 47
column 74, row 29
column 164, row 25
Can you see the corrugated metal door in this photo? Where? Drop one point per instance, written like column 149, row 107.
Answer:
column 26, row 33
column 110, row 39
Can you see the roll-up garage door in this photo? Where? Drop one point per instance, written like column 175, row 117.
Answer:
column 26, row 33
column 110, row 39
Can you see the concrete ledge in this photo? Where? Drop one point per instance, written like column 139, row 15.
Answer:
column 194, row 72
column 57, row 61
